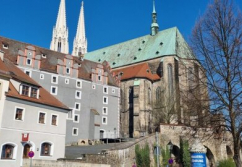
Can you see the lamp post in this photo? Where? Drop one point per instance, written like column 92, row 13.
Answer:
column 170, row 147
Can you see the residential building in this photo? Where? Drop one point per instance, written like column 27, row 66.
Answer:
column 31, row 119
column 90, row 89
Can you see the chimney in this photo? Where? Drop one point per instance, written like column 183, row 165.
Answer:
column 1, row 55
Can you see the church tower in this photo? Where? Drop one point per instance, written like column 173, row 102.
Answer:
column 154, row 24
column 59, row 41
column 80, row 41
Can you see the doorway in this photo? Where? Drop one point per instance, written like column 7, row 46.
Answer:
column 26, row 151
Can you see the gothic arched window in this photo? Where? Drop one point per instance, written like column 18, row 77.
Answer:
column 170, row 79
column 190, row 77
column 158, row 94
column 149, row 96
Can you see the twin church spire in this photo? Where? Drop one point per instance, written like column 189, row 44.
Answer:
column 59, row 41
column 60, row 32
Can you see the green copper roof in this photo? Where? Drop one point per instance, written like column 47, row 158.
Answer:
column 165, row 43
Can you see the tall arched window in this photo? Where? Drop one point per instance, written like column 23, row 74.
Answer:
column 8, row 151
column 158, row 94
column 149, row 96
column 59, row 45
column 190, row 77
column 170, row 79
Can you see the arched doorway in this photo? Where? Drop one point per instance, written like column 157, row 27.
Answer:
column 210, row 158
column 26, row 150
column 175, row 154
column 229, row 152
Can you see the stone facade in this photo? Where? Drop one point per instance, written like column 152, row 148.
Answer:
column 219, row 146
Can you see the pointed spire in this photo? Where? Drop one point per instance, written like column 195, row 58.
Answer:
column 154, row 25
column 154, row 11
column 61, row 19
column 80, row 41
column 60, row 32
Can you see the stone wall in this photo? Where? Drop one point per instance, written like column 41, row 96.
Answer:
column 66, row 163
column 216, row 145
column 123, row 155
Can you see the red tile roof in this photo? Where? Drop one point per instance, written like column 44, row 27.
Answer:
column 15, row 73
column 49, row 63
column 136, row 71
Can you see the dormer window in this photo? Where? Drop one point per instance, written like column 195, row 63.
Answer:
column 34, row 92
column 25, row 90
column 29, row 61
column 29, row 91
column 5, row 46
column 68, row 70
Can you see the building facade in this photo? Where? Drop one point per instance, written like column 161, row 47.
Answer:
column 30, row 118
column 88, row 88
column 158, row 75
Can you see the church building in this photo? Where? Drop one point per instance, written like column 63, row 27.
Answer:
column 157, row 72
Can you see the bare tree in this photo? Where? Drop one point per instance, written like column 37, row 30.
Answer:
column 217, row 42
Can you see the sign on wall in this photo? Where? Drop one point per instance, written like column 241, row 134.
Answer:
column 198, row 160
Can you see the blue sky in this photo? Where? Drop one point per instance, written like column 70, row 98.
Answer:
column 107, row 21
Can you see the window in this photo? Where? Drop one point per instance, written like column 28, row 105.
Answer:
column 59, row 46
column 5, row 46
column 70, row 114
column 78, row 106
column 7, row 151
column 149, row 96
column 29, row 61
column 68, row 70
column 158, row 94
column 104, row 120
column 34, row 92
column 190, row 78
column 42, row 76
column 28, row 73
column 105, row 90
column 78, row 94
column 99, row 78
column 76, row 118
column 78, row 84
column 54, row 90
column 170, row 79
column 105, row 111
column 45, row 149
column 54, row 120
column 30, row 53
column 19, row 112
column 75, row 132
column 113, row 90
column 93, row 86
column 105, row 100
column 66, row 81
column 25, row 90
column 42, row 117
column 54, row 79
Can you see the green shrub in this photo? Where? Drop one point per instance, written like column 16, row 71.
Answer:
column 185, row 153
column 165, row 156
column 226, row 163
column 142, row 156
